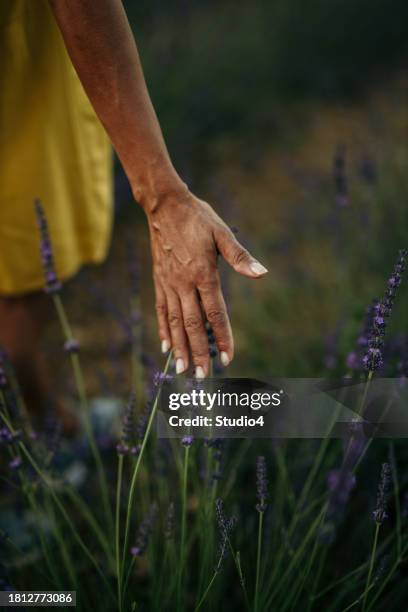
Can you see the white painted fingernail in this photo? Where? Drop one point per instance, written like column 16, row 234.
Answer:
column 258, row 268
column 224, row 358
column 165, row 345
column 179, row 366
column 199, row 372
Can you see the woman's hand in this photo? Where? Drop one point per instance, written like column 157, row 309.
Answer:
column 186, row 234
column 186, row 238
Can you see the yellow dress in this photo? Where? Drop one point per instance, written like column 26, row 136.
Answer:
column 52, row 147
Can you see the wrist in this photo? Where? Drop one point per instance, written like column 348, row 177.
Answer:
column 158, row 189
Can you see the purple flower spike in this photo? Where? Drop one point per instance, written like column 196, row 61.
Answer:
column 15, row 463
column 52, row 284
column 72, row 346
column 3, row 376
column 122, row 449
column 380, row 512
column 126, row 444
column 161, row 377
column 373, row 358
column 187, row 440
column 261, row 484
column 169, row 523
column 226, row 526
column 143, row 534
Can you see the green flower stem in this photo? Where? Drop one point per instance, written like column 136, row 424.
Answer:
column 396, row 487
column 298, row 554
column 89, row 517
column 207, row 590
column 258, row 560
column 59, row 505
column 182, row 555
column 132, row 489
column 62, row 545
column 117, row 531
column 237, row 561
column 387, row 578
column 316, row 580
column 370, row 570
column 80, row 385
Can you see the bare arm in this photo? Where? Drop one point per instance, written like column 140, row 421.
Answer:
column 186, row 233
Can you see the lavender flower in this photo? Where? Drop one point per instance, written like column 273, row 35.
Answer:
column 160, row 377
column 354, row 360
column 72, row 346
column 169, row 523
column 8, row 437
column 142, row 421
column 3, row 376
column 144, row 532
column 380, row 512
column 226, row 526
column 187, row 440
column 15, row 463
column 125, row 445
column 261, row 484
column 122, row 449
column 340, row 484
column 373, row 358
column 52, row 284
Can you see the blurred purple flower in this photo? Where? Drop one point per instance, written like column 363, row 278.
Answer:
column 15, row 463
column 160, row 377
column 72, row 346
column 126, row 444
column 52, row 284
column 225, row 526
column 144, row 532
column 373, row 358
column 261, row 484
column 187, row 440
column 340, row 484
column 169, row 523
column 380, row 512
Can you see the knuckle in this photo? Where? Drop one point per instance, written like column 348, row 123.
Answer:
column 200, row 355
column 208, row 285
column 240, row 256
column 161, row 308
column 192, row 323
column 174, row 319
column 216, row 317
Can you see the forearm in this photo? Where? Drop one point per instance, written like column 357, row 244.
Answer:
column 103, row 51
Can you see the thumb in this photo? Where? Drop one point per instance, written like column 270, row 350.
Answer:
column 238, row 257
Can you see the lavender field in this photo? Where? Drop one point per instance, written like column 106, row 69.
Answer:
column 305, row 156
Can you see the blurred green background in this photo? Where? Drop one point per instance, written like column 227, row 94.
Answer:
column 256, row 101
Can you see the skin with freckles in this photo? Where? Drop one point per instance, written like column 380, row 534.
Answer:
column 186, row 233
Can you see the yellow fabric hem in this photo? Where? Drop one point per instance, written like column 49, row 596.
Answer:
column 37, row 282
